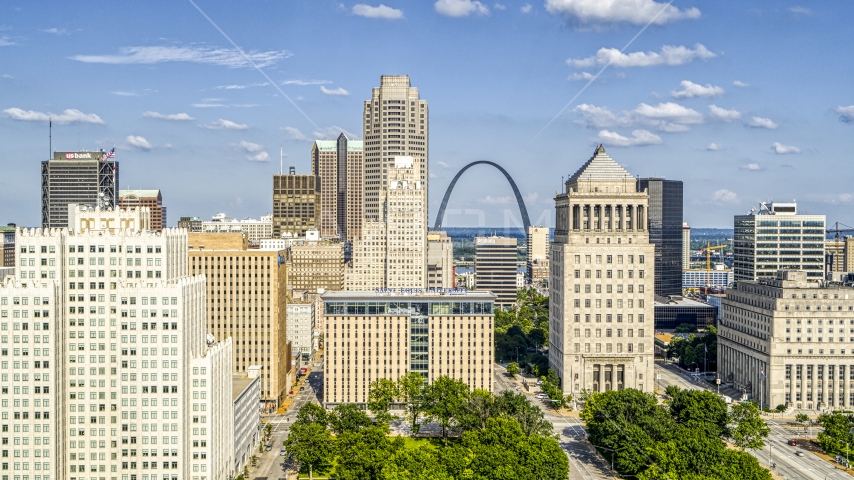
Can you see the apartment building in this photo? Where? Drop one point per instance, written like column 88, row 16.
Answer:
column 371, row 335
column 246, row 299
column 440, row 260
column 789, row 340
column 152, row 199
column 537, row 260
column 601, row 287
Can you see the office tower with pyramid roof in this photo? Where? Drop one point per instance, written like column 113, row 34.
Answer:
column 601, row 281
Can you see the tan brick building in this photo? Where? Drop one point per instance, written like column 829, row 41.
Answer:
column 296, row 204
column 246, row 300
column 152, row 199
column 339, row 165
column 315, row 264
column 382, row 335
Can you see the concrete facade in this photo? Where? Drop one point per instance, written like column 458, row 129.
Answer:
column 440, row 260
column 601, row 287
column 789, row 340
column 83, row 178
column 152, row 199
column 246, row 394
column 255, row 230
column 300, row 329
column 537, row 263
column 339, row 165
column 371, row 336
column 686, row 246
column 246, row 299
column 315, row 264
column 296, row 204
column 495, row 268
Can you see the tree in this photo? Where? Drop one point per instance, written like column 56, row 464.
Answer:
column 478, row 408
column 502, row 451
column 380, row 397
column 837, row 431
column 513, row 369
column 415, row 464
column 311, row 445
column 746, row 428
column 365, row 453
column 802, row 418
column 685, row 328
column 313, row 413
column 445, row 399
column 348, row 417
column 672, row 391
column 529, row 417
column 700, row 409
column 410, row 388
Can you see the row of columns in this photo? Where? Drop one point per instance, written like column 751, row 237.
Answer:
column 607, row 217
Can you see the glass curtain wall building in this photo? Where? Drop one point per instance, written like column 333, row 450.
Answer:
column 665, row 232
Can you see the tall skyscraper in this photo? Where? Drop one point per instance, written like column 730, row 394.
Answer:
column 495, row 268
column 775, row 238
column 152, row 199
column 392, row 253
column 246, row 298
column 537, row 263
column 686, row 246
column 296, row 204
column 395, row 124
column 84, row 178
column 339, row 165
column 664, row 222
column 601, row 287
column 140, row 390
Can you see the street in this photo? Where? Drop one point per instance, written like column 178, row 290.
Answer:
column 789, row 466
column 271, row 464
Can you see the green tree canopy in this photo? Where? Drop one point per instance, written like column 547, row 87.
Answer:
column 700, row 409
column 746, row 427
column 383, row 392
column 311, row 445
column 445, row 398
column 348, row 417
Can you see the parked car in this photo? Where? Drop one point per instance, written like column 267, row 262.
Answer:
column 799, row 453
column 282, row 452
column 793, row 442
column 269, row 447
column 542, row 396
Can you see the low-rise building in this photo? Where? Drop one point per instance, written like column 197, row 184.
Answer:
column 246, row 395
column 301, row 328
column 7, row 245
column 719, row 277
column 191, row 224
column 373, row 335
column 152, row 199
column 676, row 310
column 788, row 340
column 255, row 230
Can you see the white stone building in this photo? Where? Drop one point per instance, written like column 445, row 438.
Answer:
column 300, row 328
column 601, row 286
column 130, row 329
column 255, row 230
column 246, row 394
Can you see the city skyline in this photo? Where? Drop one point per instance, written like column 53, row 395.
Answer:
column 712, row 116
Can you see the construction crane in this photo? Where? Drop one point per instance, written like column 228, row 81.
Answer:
column 836, row 231
column 708, row 249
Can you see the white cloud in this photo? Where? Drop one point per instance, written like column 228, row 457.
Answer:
column 125, row 94
column 71, row 115
column 582, row 76
column 740, row 84
column 460, row 8
column 223, row 124
column 5, row 41
column 531, row 197
column 846, row 114
column 443, row 164
column 260, row 157
column 638, row 138
column 208, row 105
column 240, row 87
column 6, row 75
column 382, row 11
column 797, row 10
column 753, row 167
column 784, row 149
column 760, row 122
column 714, row 147
column 56, row 31
column 669, row 55
column 490, row 200
column 499, row 6
column 294, row 133
column 226, row 57
column 691, row 90
column 638, row 12
column 167, row 116
column 526, row 8
column 433, row 175
column 334, row 91
column 333, row 132
column 667, row 117
column 139, row 142
column 723, row 114
column 250, row 147
column 306, row 82
column 724, row 196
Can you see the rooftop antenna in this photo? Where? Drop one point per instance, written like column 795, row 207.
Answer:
column 281, row 156
column 50, row 138
column 78, row 142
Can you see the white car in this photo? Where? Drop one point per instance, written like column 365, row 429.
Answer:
column 541, row 396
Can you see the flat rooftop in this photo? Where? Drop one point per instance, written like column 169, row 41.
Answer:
column 677, row 301
column 239, row 382
column 410, row 295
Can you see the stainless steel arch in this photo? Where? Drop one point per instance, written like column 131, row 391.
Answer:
column 522, row 209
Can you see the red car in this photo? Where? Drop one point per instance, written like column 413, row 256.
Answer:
column 793, row 443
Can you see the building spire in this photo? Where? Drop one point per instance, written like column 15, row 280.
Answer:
column 599, row 149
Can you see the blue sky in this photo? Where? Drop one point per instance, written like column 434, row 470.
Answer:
column 743, row 101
